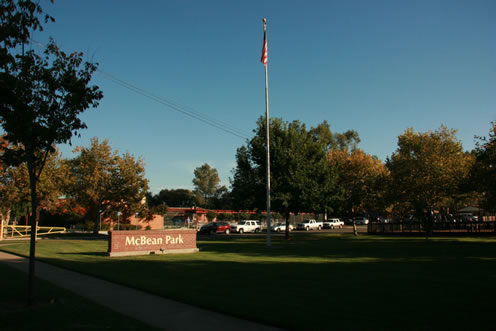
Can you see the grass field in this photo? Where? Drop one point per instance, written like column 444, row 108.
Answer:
column 313, row 281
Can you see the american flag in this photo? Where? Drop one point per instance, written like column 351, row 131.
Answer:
column 264, row 49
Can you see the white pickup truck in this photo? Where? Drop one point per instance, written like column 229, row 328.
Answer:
column 309, row 225
column 333, row 223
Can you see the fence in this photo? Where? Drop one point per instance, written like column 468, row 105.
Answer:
column 407, row 227
column 23, row 231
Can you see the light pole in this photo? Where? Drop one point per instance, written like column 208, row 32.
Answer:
column 136, row 221
column 118, row 220
column 101, row 212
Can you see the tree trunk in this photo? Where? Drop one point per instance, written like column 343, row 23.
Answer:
column 355, row 230
column 33, row 223
column 95, row 215
column 428, row 221
column 7, row 216
column 287, row 226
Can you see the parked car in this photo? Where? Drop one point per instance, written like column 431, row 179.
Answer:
column 383, row 220
column 309, row 225
column 361, row 220
column 278, row 227
column 216, row 227
column 333, row 223
column 247, row 226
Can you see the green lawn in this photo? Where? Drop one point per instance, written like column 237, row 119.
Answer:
column 317, row 280
column 53, row 308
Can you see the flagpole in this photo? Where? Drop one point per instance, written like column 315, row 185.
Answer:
column 267, row 126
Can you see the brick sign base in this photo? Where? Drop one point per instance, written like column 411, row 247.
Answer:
column 180, row 241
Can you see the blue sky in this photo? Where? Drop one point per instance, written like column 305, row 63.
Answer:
column 377, row 67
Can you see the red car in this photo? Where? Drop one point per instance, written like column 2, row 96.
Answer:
column 216, row 227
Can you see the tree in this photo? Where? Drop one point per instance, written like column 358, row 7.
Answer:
column 104, row 182
column 427, row 170
column 176, row 198
column 301, row 180
column 14, row 186
column 211, row 215
column 128, row 186
column 361, row 179
column 222, row 199
column 483, row 173
column 247, row 187
column 335, row 141
column 206, row 184
column 41, row 98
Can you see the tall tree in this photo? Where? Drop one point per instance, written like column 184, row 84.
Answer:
column 206, row 183
column 41, row 97
column 247, row 187
column 103, row 182
column 483, row 173
column 335, row 141
column 361, row 179
column 14, row 186
column 301, row 180
column 176, row 198
column 427, row 170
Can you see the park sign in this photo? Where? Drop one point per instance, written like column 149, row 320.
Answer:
column 176, row 241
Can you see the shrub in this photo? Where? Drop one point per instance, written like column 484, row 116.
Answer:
column 244, row 216
column 88, row 226
column 127, row 227
column 211, row 215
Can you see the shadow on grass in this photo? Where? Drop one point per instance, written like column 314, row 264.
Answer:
column 378, row 295
column 53, row 308
column 368, row 282
column 348, row 246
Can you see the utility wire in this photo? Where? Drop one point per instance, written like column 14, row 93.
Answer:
column 170, row 104
column 179, row 108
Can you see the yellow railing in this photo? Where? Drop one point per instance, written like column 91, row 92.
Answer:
column 23, row 231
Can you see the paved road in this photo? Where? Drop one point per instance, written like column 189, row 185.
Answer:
column 345, row 229
column 151, row 309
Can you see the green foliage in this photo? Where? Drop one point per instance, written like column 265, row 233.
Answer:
column 428, row 168
column 88, row 225
column 301, row 179
column 15, row 190
column 483, row 173
column 361, row 181
column 127, row 227
column 160, row 209
column 104, row 181
column 244, row 216
column 335, row 141
column 105, row 226
column 175, row 198
column 42, row 95
column 211, row 215
column 225, row 217
column 206, row 184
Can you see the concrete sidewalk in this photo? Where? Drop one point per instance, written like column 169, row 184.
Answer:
column 151, row 309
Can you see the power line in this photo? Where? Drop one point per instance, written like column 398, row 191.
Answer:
column 179, row 108
column 171, row 104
